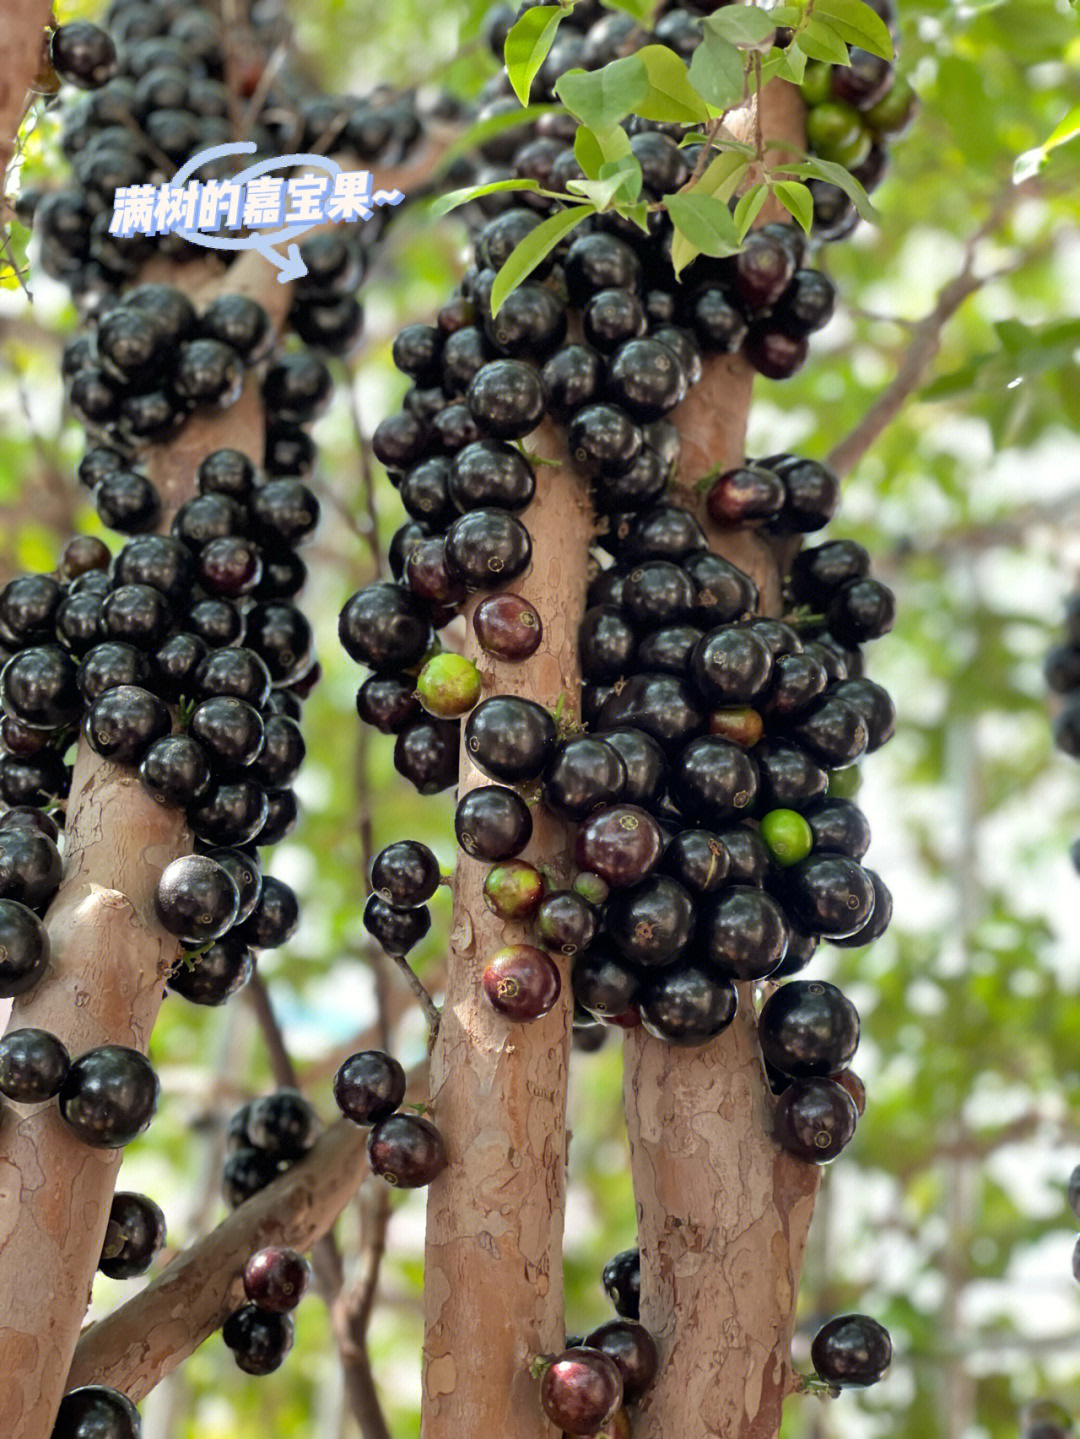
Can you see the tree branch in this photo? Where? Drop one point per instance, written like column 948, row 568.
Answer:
column 154, row 1332
column 926, row 336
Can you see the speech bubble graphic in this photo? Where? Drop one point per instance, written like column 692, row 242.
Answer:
column 290, row 265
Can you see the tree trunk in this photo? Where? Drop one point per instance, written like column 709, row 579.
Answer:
column 723, row 1213
column 493, row 1260
column 21, row 55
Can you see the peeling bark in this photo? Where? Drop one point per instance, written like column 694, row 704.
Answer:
column 493, row 1262
column 723, row 1213
column 21, row 56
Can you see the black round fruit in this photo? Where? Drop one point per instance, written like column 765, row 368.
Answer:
column 814, row 1120
column 396, row 930
column 197, row 899
column 369, row 1086
column 33, row 1065
column 406, row 1150
column 852, row 1349
column 24, row 948
column 135, row 1233
column 486, row 549
column 744, row 933
column 510, row 738
column 621, row 1279
column 808, row 1028
column 95, row 1411
column 259, row 1339
column 492, row 823
column 109, row 1096
column 405, row 874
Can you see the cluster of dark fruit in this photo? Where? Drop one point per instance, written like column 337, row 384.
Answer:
column 153, row 359
column 1063, row 677
column 158, row 95
column 260, row 1333
column 851, row 114
column 404, row 1149
column 264, row 1138
column 852, row 111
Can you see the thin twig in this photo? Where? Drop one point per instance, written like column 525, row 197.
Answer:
column 926, row 338
column 366, row 469
column 281, row 1065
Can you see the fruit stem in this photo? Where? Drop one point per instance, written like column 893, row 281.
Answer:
column 432, row 1013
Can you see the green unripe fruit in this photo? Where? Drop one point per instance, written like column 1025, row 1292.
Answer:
column 836, row 132
column 788, row 836
column 895, row 110
column 591, row 887
column 513, row 889
column 816, row 86
column 844, row 783
column 448, row 685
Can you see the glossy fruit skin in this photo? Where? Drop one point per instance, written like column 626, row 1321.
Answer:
column 276, row 1278
column 369, row 1086
column 82, row 54
column 486, row 549
column 605, row 983
column 388, row 703
column 506, row 398
column 567, row 922
column 109, row 1096
column 510, row 738
column 38, row 688
column 407, row 1151
column 851, row 1350
column 218, row 973
column 492, row 823
column 449, row 685
column 879, row 919
column 814, row 1120
column 426, row 753
column 24, row 948
column 732, row 666
column 405, row 874
column 139, row 1231
column 713, row 781
column 197, row 899
column 29, row 869
column 603, row 441
column 633, row 1350
column 652, row 923
column 744, row 933
column 581, row 1391
column 229, row 730
column 663, row 706
column 260, row 1340
column 808, row 1028
column 788, row 835
column 838, row 826
column 748, row 495
column 382, row 626
column 513, row 889
column 94, row 1411
column 645, row 763
column 829, row 895
column 687, row 1004
column 507, row 627
column 581, row 775
column 123, row 722
column 621, row 843
column 229, row 813
column 788, row 777
column 832, row 732
column 33, row 1065
column 397, row 930
column 698, row 859
column 621, row 1279
column 521, row 982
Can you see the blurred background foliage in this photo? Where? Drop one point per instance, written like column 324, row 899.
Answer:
column 946, row 1218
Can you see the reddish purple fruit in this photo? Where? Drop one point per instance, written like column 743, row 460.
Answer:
column 581, row 1391
column 632, row 1349
column 275, row 1279
column 507, row 627
column 745, row 496
column 513, row 889
column 521, row 982
column 407, row 1151
column 621, row 843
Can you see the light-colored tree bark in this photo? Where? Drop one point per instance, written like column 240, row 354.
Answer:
column 493, row 1262
column 722, row 1212
column 22, row 51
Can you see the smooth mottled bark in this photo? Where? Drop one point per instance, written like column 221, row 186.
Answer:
column 493, row 1263
column 722, row 1212
column 23, row 49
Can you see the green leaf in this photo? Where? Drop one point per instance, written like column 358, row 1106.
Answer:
column 796, row 200
column 527, row 46
column 617, row 177
column 601, row 99
column 741, row 24
column 717, row 71
column 792, row 65
column 855, row 22
column 525, row 257
column 637, row 214
column 453, row 198
column 816, row 169
column 748, row 209
column 706, row 224
column 592, row 148
column 722, row 175
column 821, row 42
column 671, row 97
